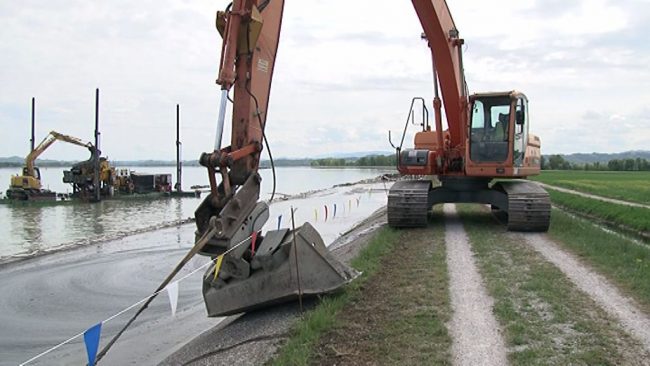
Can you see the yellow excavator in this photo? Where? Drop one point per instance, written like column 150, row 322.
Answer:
column 28, row 185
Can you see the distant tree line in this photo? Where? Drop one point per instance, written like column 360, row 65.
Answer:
column 372, row 160
column 552, row 162
column 557, row 162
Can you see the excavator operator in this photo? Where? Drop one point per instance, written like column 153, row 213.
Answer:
column 499, row 133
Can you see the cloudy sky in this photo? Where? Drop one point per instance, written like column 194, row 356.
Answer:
column 345, row 74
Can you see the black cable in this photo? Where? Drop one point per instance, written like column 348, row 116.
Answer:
column 229, row 99
column 228, row 348
column 263, row 5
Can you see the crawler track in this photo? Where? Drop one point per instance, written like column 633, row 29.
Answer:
column 408, row 203
column 529, row 206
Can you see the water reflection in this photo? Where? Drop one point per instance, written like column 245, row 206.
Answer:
column 179, row 216
column 27, row 229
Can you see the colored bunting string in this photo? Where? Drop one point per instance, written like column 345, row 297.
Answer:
column 172, row 293
column 91, row 335
column 253, row 242
column 91, row 339
column 330, row 212
column 217, row 266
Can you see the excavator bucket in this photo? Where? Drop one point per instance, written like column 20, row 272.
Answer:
column 285, row 265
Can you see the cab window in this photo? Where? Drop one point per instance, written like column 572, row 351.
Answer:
column 489, row 129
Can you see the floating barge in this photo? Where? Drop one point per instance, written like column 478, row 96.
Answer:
column 65, row 199
column 95, row 180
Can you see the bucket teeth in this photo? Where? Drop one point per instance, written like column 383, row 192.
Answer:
column 281, row 270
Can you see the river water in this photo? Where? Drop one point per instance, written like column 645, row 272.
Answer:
column 52, row 298
column 27, row 230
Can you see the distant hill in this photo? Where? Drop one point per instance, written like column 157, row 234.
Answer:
column 577, row 158
column 353, row 155
column 12, row 159
column 583, row 158
column 16, row 161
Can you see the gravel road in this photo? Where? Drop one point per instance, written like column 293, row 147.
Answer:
column 477, row 338
column 631, row 318
column 593, row 196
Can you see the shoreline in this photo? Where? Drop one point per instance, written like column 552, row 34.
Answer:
column 123, row 272
column 7, row 260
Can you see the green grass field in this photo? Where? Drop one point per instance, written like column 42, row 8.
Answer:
column 626, row 186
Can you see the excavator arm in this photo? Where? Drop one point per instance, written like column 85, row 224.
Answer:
column 252, row 269
column 51, row 138
column 250, row 31
column 446, row 53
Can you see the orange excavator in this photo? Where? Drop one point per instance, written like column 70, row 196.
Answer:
column 252, row 269
column 487, row 139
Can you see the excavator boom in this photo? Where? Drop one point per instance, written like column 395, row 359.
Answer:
column 28, row 185
column 443, row 37
column 253, row 269
column 51, row 138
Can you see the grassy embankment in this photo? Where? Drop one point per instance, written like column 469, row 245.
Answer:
column 395, row 313
column 629, row 218
column 626, row 186
column 546, row 320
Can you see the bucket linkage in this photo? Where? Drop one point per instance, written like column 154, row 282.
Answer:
column 256, row 271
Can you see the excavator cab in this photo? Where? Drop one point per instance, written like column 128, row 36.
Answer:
column 27, row 181
column 37, row 172
column 489, row 128
column 498, row 133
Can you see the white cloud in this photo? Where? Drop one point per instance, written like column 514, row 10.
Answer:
column 345, row 74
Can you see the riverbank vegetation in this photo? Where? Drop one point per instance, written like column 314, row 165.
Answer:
column 366, row 161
